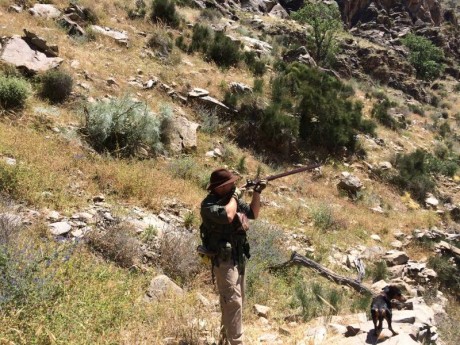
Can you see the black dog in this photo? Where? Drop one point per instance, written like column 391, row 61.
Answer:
column 381, row 307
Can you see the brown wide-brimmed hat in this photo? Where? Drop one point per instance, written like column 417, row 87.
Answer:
column 221, row 177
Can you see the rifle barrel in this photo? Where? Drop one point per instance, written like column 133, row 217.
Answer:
column 295, row 171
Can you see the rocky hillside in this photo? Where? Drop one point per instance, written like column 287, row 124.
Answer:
column 114, row 113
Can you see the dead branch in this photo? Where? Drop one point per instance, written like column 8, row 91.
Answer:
column 299, row 260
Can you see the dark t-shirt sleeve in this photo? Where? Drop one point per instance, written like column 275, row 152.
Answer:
column 214, row 213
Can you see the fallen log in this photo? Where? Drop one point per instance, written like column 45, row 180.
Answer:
column 299, row 260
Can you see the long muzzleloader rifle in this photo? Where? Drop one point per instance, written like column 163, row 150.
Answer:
column 252, row 183
column 204, row 252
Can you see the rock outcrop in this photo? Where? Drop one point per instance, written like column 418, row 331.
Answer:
column 354, row 11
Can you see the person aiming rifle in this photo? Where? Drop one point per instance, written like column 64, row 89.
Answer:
column 223, row 233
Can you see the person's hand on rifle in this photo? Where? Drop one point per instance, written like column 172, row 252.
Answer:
column 237, row 193
column 260, row 186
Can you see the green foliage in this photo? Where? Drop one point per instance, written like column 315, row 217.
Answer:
column 444, row 129
column 123, row 126
column 457, row 87
column 416, row 109
column 164, row 11
column 323, row 217
column 255, row 65
column 316, row 300
column 362, row 303
column 258, row 86
column 265, row 241
column 56, row 86
column 223, row 51
column 326, row 23
column 379, row 271
column 328, row 119
column 161, row 42
column 13, row 92
column 184, row 167
column 241, row 166
column 424, row 56
column 210, row 14
column 380, row 112
column 414, row 173
column 448, row 274
column 26, row 269
column 201, row 38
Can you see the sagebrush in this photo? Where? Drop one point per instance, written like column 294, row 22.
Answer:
column 123, row 127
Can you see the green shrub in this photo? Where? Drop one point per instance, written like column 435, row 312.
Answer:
column 56, row 86
column 380, row 112
column 161, row 42
column 414, row 174
column 223, row 51
column 316, row 300
column 444, row 130
column 164, row 11
column 416, row 109
column 424, row 56
column 184, row 168
column 326, row 23
column 379, row 271
column 210, row 14
column 448, row 274
column 258, row 87
column 255, row 65
column 328, row 118
column 13, row 92
column 201, row 38
column 266, row 242
column 457, row 87
column 123, row 126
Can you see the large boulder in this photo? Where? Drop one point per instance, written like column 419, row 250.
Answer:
column 16, row 51
column 181, row 134
column 47, row 11
column 161, row 286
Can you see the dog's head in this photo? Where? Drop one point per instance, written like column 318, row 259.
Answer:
column 393, row 292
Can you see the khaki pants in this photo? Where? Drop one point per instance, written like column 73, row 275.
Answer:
column 230, row 285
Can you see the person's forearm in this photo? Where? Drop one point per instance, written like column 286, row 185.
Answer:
column 231, row 209
column 255, row 204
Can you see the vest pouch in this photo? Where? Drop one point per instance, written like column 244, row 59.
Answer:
column 225, row 251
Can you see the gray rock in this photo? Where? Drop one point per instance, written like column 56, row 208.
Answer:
column 15, row 8
column 350, row 183
column 376, row 237
column 60, row 228
column 121, row 37
column 315, row 336
column 182, row 134
column 197, row 92
column 385, row 166
column 395, row 257
column 279, row 12
column 45, row 11
column 160, row 287
column 261, row 310
column 431, row 201
column 9, row 161
column 16, row 51
column 258, row 45
column 240, row 88
column 41, row 44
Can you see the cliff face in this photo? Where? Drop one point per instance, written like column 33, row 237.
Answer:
column 353, row 11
